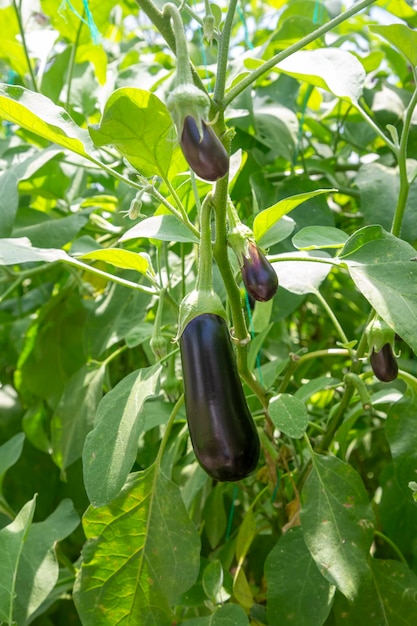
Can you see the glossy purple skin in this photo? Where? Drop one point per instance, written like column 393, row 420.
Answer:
column 222, row 430
column 258, row 275
column 208, row 157
column 384, row 364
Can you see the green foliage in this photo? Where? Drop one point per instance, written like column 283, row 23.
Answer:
column 100, row 218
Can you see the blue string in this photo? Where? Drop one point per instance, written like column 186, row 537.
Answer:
column 95, row 35
column 245, row 27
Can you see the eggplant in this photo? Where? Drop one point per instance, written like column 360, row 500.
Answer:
column 205, row 155
column 384, row 364
column 259, row 277
column 222, row 431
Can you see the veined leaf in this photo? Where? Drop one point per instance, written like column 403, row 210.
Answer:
column 402, row 37
column 338, row 523
column 383, row 269
column 289, row 414
column 41, row 116
column 297, row 592
column 266, row 219
column 12, row 540
column 139, row 125
column 110, row 448
column 118, row 257
column 139, row 556
column 161, row 227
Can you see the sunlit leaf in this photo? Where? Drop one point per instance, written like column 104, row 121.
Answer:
column 140, row 556
column 111, row 447
column 338, row 522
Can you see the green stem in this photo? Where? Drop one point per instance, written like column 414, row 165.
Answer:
column 25, row 48
column 402, row 164
column 332, row 316
column 368, row 119
column 223, row 54
column 304, row 259
column 268, row 65
column 337, row 418
column 71, row 64
column 205, row 258
column 392, row 545
column 168, row 428
column 115, row 279
column 296, row 361
column 163, row 24
column 183, row 72
column 181, row 211
column 360, row 387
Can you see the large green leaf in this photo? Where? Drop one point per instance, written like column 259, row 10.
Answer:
column 265, row 220
column 142, row 553
column 401, row 433
column 388, row 598
column 297, row 592
column 338, row 523
column 42, row 117
column 9, row 454
column 111, row 447
column 382, row 268
column 38, row 568
column 12, row 540
column 376, row 181
column 161, row 227
column 138, row 124
column 333, row 69
column 400, row 36
column 74, row 417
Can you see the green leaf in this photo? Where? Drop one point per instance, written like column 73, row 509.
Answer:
column 400, row 430
column 38, row 567
column 41, row 116
column 376, row 181
column 278, row 232
column 12, row 540
column 332, row 69
column 245, row 536
column 9, row 454
column 289, row 414
column 161, row 227
column 215, row 516
column 402, row 37
column 316, row 237
column 142, row 553
column 139, row 125
column 338, row 522
column 213, row 582
column 301, row 277
column 9, row 202
column 111, row 447
column 226, row 615
column 297, row 592
column 14, row 251
column 53, row 233
column 388, row 598
column 382, row 268
column 120, row 258
column 266, row 219
column 74, row 417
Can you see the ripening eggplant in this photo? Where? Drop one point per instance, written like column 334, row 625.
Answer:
column 205, row 154
column 222, row 430
column 384, row 364
column 259, row 277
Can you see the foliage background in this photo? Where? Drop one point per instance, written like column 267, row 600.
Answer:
column 324, row 531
